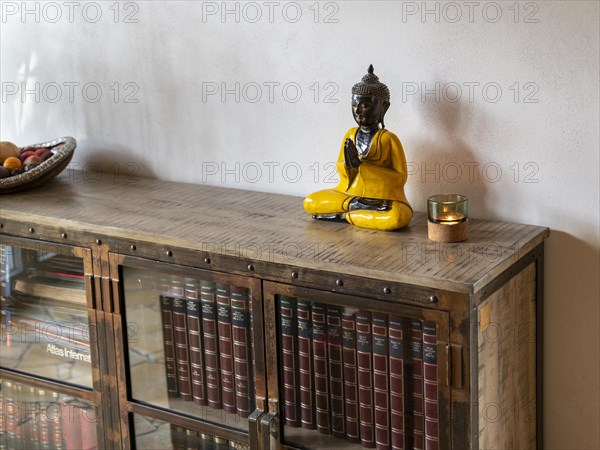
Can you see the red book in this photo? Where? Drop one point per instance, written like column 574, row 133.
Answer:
column 194, row 329
column 305, row 365
column 240, row 329
column 430, row 381
column 396, row 341
column 44, row 426
column 320, row 369
column 71, row 425
column 225, row 348
column 289, row 359
column 379, row 330
column 178, row 438
column 416, row 353
column 211, row 355
column 180, row 335
column 89, row 419
column 364, row 355
column 166, row 312
column 54, row 418
column 350, row 375
column 336, row 370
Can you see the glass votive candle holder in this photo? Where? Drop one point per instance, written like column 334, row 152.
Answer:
column 448, row 218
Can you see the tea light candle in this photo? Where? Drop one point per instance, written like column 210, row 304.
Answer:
column 448, row 218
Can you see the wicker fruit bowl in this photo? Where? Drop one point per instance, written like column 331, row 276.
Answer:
column 62, row 149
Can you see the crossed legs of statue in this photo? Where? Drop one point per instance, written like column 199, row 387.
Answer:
column 366, row 213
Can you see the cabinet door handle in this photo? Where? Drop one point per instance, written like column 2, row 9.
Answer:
column 270, row 429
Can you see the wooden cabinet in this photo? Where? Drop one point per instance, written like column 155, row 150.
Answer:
column 222, row 318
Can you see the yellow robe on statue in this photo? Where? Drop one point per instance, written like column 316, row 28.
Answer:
column 381, row 175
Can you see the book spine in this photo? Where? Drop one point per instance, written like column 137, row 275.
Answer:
column 44, row 427
column 305, row 365
column 397, row 411
column 350, row 375
column 211, row 355
column 180, row 335
column 364, row 356
column 178, row 438
column 240, row 329
column 289, row 356
column 166, row 311
column 89, row 438
column 320, row 369
column 336, row 370
column 71, row 426
column 430, row 381
column 9, row 413
column 225, row 348
column 191, row 439
column 379, row 330
column 56, row 422
column 416, row 353
column 194, row 328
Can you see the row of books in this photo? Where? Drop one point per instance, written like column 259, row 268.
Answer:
column 362, row 376
column 185, row 439
column 34, row 418
column 208, row 345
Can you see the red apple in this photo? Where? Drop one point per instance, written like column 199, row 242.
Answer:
column 33, row 159
column 26, row 155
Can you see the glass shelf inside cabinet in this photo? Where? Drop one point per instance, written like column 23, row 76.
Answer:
column 355, row 378
column 190, row 345
column 154, row 434
column 33, row 418
column 44, row 327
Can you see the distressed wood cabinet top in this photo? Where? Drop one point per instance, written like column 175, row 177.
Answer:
column 270, row 227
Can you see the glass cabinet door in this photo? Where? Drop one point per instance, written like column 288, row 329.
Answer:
column 35, row 417
column 349, row 373
column 44, row 325
column 190, row 341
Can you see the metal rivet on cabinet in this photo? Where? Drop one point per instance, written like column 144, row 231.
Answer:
column 294, row 274
column 98, row 241
column 169, row 253
column 63, row 235
column 133, row 247
column 387, row 290
column 31, row 230
column 207, row 260
column 1, row 225
column 339, row 282
column 250, row 267
column 433, row 299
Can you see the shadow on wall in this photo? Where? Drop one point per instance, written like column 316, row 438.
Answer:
column 103, row 158
column 571, row 338
column 443, row 162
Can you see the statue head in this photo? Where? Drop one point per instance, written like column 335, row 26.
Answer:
column 370, row 100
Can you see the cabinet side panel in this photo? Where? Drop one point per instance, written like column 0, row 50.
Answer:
column 507, row 365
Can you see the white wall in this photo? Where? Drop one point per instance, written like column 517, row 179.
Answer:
column 521, row 139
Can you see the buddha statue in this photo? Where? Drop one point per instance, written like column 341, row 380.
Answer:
column 371, row 166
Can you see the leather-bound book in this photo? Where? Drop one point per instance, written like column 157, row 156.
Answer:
column 209, row 334
column 430, row 382
column 289, row 360
column 321, row 372
column 379, row 330
column 225, row 348
column 336, row 370
column 364, row 354
column 305, row 365
column 416, row 353
column 180, row 335
column 350, row 375
column 194, row 329
column 166, row 312
column 240, row 329
column 396, row 331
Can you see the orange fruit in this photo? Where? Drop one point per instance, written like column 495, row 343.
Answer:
column 12, row 162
